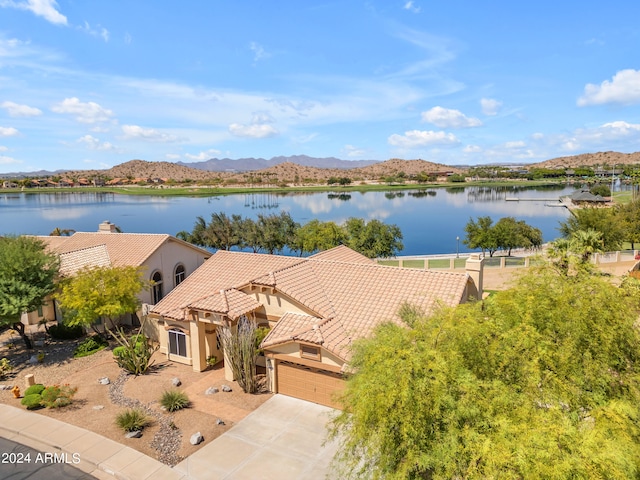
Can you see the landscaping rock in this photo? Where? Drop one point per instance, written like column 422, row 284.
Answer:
column 211, row 391
column 136, row 434
column 226, row 388
column 176, row 382
column 33, row 360
column 98, row 407
column 219, row 422
column 196, row 438
column 6, row 387
column 104, row 381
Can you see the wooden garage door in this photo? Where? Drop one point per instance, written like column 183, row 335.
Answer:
column 307, row 383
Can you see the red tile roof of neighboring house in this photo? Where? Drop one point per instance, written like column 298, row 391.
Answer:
column 96, row 256
column 342, row 253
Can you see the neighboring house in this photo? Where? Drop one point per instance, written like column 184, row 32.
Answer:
column 316, row 307
column 166, row 261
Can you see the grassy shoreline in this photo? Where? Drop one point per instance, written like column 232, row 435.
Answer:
column 207, row 191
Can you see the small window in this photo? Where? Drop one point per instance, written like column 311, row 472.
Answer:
column 178, row 275
column 177, row 343
column 40, row 312
column 307, row 351
column 156, row 287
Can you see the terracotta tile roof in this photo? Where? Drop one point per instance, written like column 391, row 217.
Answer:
column 224, row 270
column 342, row 253
column 125, row 249
column 232, row 303
column 71, row 262
column 349, row 299
column 357, row 297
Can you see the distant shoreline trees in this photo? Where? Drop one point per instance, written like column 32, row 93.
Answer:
column 273, row 233
column 506, row 234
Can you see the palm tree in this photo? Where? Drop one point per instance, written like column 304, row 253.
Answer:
column 585, row 243
column 58, row 232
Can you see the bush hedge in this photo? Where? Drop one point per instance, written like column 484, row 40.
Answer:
column 90, row 346
column 32, row 402
column 34, row 389
column 64, row 332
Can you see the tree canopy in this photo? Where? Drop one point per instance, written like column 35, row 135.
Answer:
column 607, row 221
column 538, row 381
column 507, row 234
column 97, row 292
column 275, row 232
column 27, row 276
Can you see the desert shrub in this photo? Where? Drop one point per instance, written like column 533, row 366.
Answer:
column 64, row 332
column 57, row 396
column 32, row 401
column 90, row 346
column 36, row 388
column 134, row 353
column 174, row 400
column 132, row 420
column 5, row 367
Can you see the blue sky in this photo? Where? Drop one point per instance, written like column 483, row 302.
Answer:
column 92, row 84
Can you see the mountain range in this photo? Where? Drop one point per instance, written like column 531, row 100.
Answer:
column 249, row 164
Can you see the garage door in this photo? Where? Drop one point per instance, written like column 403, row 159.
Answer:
column 308, row 383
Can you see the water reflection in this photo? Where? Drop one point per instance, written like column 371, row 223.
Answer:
column 430, row 219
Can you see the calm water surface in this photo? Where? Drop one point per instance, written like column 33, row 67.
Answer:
column 430, row 219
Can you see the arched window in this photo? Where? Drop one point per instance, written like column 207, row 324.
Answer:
column 156, row 287
column 177, row 343
column 178, row 274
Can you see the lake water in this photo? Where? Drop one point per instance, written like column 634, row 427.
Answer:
column 430, row 219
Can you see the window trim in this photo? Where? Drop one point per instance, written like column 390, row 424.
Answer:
column 177, row 282
column 177, row 334
column 157, row 291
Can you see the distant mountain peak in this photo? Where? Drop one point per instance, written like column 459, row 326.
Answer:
column 249, row 164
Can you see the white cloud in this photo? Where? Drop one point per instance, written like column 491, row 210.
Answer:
column 253, row 130
column 515, row 144
column 472, row 149
column 411, row 7
column 8, row 132
column 98, row 31
column 46, row 9
column 421, row 138
column 490, row 106
column 148, row 134
column 4, row 160
column 624, row 88
column 94, row 143
column 202, row 156
column 16, row 110
column 353, row 152
column 448, row 118
column 89, row 112
column 259, row 52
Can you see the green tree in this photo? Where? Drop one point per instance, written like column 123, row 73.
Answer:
column 93, row 293
column 27, row 277
column 603, row 220
column 374, row 238
column 315, row 236
column 276, row 231
column 629, row 217
column 480, row 234
column 511, row 233
column 538, row 381
column 601, row 189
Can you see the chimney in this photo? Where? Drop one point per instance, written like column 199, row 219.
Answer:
column 474, row 267
column 106, row 227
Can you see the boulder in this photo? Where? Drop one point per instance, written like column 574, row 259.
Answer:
column 135, row 434
column 175, row 381
column 219, row 422
column 196, row 438
column 104, row 381
column 226, row 388
column 211, row 391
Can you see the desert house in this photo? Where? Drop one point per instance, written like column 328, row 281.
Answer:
column 166, row 262
column 315, row 308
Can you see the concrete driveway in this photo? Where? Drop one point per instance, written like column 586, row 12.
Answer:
column 282, row 440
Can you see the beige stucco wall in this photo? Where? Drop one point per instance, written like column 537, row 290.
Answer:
column 165, row 260
column 276, row 304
